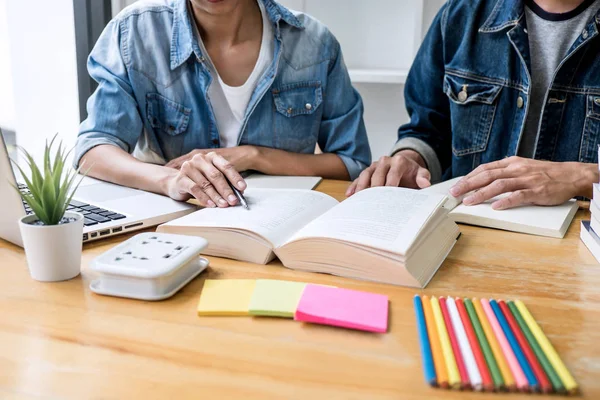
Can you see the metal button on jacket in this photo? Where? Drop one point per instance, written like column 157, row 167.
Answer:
column 520, row 102
column 308, row 106
column 462, row 96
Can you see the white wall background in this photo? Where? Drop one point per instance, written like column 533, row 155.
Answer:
column 44, row 75
column 7, row 105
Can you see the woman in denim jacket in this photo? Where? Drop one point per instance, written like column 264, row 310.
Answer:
column 193, row 91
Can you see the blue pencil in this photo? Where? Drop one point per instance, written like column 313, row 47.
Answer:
column 428, row 367
column 512, row 340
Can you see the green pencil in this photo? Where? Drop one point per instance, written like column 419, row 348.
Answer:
column 539, row 353
column 485, row 346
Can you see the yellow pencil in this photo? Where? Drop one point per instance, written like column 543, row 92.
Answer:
column 509, row 380
column 547, row 347
column 453, row 374
column 438, row 357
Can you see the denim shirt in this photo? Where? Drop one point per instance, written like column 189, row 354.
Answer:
column 153, row 89
column 468, row 91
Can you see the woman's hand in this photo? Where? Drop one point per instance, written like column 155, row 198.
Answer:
column 204, row 176
column 529, row 181
column 241, row 157
column 406, row 168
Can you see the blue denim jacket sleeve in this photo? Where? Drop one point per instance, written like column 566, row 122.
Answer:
column 342, row 130
column 120, row 123
column 426, row 103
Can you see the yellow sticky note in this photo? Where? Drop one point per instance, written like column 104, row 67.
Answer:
column 228, row 297
column 276, row 298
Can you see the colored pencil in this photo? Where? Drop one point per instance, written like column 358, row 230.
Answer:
column 550, row 372
column 465, row 347
column 533, row 383
column 513, row 363
column 562, row 371
column 507, row 376
column 428, row 367
column 462, row 370
column 537, row 369
column 453, row 375
column 479, row 359
column 485, row 346
column 434, row 340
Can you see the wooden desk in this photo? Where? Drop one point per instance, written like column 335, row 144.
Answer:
column 59, row 340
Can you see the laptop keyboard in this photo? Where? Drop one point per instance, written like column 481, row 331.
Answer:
column 93, row 215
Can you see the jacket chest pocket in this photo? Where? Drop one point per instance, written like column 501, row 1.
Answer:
column 298, row 114
column 472, row 110
column 166, row 116
column 591, row 130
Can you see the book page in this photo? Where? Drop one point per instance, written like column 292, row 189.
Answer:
column 384, row 217
column 274, row 214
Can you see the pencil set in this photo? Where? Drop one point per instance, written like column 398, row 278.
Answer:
column 473, row 344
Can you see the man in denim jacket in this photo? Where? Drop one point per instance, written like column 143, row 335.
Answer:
column 214, row 87
column 506, row 92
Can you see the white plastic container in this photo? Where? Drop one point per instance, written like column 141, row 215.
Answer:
column 149, row 266
column 53, row 251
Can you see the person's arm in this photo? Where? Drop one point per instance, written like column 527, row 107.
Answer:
column 202, row 177
column 111, row 131
column 528, row 181
column 274, row 161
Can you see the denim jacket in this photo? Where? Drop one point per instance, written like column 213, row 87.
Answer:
column 153, row 89
column 484, row 44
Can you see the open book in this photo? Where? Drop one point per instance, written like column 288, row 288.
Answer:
column 535, row 220
column 391, row 235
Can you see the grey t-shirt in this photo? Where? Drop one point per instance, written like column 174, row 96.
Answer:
column 550, row 38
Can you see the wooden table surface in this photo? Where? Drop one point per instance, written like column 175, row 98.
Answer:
column 60, row 340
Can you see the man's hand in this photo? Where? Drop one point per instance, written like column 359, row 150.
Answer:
column 406, row 168
column 530, row 181
column 241, row 157
column 203, row 177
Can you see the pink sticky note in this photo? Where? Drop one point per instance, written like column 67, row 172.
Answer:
column 343, row 307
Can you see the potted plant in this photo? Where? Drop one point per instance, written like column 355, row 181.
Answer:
column 52, row 236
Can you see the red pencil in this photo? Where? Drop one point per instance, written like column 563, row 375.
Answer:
column 539, row 373
column 462, row 370
column 486, row 377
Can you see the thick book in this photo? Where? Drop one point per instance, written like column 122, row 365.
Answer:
column 392, row 235
column 551, row 221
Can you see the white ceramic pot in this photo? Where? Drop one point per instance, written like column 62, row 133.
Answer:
column 53, row 252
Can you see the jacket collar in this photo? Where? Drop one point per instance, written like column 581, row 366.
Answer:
column 506, row 13
column 183, row 40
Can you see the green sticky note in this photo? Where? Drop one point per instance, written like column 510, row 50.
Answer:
column 275, row 298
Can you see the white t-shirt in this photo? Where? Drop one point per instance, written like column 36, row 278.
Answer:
column 229, row 103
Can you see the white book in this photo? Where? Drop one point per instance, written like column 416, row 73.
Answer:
column 590, row 239
column 259, row 181
column 551, row 221
column 392, row 235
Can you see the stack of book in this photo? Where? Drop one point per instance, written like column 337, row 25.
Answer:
column 590, row 230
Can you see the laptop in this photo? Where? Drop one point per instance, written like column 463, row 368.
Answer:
column 108, row 209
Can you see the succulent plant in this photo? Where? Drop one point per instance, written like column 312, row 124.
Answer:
column 51, row 186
